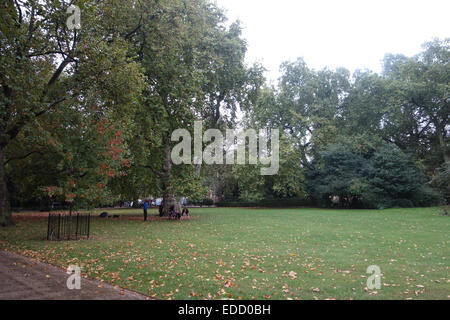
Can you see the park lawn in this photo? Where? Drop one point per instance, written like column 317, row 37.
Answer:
column 251, row 253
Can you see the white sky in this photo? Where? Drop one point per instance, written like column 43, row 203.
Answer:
column 349, row 33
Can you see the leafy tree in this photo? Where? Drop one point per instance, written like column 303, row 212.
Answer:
column 51, row 71
column 229, row 85
column 195, row 70
column 250, row 182
column 310, row 102
column 419, row 108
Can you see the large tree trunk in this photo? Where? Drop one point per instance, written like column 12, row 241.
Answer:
column 169, row 198
column 443, row 144
column 5, row 207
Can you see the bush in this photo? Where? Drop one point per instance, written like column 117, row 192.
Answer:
column 268, row 203
column 207, row 202
column 401, row 203
column 427, row 197
column 202, row 202
column 381, row 179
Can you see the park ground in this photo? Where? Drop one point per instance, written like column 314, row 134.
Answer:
column 253, row 253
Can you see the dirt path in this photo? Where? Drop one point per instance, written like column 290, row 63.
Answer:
column 23, row 278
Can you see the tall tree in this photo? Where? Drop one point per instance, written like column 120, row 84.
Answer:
column 195, row 70
column 48, row 68
column 421, row 100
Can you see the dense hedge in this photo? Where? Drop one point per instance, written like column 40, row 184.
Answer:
column 203, row 202
column 269, row 203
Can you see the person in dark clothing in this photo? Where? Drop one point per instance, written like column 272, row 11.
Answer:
column 173, row 214
column 145, row 210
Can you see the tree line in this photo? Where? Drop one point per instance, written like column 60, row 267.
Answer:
column 87, row 114
column 364, row 139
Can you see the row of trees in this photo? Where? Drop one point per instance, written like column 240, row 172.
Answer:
column 372, row 121
column 87, row 114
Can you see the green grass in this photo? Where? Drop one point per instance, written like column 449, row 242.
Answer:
column 249, row 253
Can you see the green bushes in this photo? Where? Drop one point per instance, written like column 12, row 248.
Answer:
column 268, row 203
column 426, row 196
column 207, row 202
column 381, row 178
column 203, row 202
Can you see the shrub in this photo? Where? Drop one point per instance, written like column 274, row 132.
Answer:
column 207, row 202
column 268, row 203
column 401, row 203
column 426, row 197
column 382, row 179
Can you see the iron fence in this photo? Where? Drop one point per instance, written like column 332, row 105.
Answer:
column 68, row 226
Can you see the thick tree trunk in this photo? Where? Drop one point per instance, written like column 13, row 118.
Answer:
column 443, row 145
column 170, row 201
column 5, row 207
column 169, row 198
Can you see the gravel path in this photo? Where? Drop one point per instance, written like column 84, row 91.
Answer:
column 22, row 278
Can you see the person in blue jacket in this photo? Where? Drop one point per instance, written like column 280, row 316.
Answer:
column 145, row 210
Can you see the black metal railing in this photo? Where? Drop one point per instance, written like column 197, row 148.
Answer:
column 68, row 226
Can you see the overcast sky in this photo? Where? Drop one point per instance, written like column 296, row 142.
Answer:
column 349, row 33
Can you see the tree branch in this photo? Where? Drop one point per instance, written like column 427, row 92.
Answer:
column 14, row 131
column 155, row 171
column 57, row 73
column 129, row 34
column 22, row 157
column 19, row 10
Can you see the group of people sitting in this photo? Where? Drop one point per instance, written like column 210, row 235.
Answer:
column 173, row 214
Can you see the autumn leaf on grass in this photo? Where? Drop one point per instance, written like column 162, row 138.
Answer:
column 115, row 276
column 316, row 290
column 228, row 284
column 193, row 294
column 293, row 275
